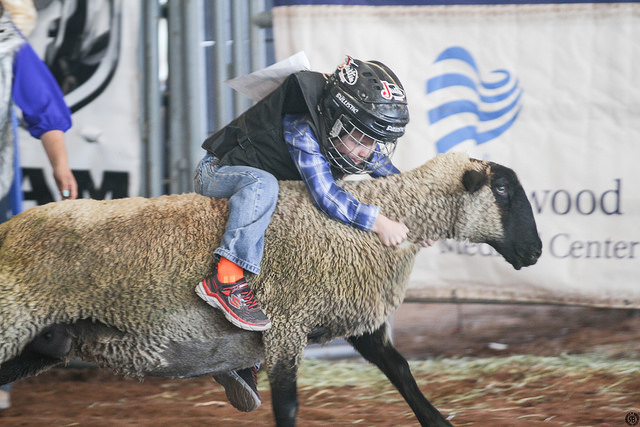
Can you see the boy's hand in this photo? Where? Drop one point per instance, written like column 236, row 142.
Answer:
column 390, row 233
column 428, row 243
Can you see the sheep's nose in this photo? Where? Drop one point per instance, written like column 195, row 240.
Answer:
column 533, row 257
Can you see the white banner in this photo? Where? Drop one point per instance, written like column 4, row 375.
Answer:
column 91, row 48
column 548, row 90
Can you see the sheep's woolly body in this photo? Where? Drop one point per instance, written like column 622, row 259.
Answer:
column 133, row 264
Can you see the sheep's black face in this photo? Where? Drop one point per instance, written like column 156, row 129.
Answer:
column 521, row 245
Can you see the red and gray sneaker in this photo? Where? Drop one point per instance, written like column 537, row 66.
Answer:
column 236, row 301
column 241, row 387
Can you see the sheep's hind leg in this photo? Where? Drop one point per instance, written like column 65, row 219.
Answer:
column 46, row 350
column 27, row 364
column 378, row 349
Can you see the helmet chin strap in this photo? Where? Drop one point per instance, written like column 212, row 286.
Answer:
column 335, row 129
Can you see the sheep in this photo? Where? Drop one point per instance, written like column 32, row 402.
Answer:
column 112, row 282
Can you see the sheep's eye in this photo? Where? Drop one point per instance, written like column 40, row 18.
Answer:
column 501, row 189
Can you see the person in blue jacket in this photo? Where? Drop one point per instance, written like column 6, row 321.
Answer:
column 316, row 128
column 26, row 81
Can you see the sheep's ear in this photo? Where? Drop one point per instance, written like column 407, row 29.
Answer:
column 473, row 180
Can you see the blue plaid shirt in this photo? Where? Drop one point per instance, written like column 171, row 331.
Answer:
column 315, row 170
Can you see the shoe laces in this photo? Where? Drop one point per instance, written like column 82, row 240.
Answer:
column 254, row 373
column 247, row 296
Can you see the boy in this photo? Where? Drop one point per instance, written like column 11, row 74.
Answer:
column 316, row 128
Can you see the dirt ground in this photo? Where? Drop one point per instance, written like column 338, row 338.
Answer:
column 482, row 365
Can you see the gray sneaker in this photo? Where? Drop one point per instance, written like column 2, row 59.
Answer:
column 241, row 387
column 236, row 301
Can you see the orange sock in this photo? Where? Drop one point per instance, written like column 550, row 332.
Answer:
column 228, row 272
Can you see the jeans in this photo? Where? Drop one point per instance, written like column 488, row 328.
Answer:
column 252, row 194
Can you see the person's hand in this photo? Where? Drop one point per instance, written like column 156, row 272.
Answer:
column 390, row 233
column 53, row 142
column 66, row 183
column 428, row 243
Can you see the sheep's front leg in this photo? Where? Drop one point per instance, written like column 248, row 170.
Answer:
column 284, row 392
column 284, row 347
column 378, row 349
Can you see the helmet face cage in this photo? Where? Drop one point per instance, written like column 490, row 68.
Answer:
column 353, row 151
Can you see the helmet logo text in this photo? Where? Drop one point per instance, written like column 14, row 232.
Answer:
column 391, row 91
column 347, row 62
column 395, row 128
column 347, row 72
column 348, row 105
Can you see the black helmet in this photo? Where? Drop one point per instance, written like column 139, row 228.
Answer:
column 367, row 97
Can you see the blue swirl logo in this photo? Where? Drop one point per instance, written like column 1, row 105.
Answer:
column 494, row 105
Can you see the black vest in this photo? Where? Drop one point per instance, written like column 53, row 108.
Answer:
column 256, row 139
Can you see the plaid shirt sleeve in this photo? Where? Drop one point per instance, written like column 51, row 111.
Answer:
column 315, row 170
column 385, row 170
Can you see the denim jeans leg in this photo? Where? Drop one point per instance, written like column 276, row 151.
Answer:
column 252, row 195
